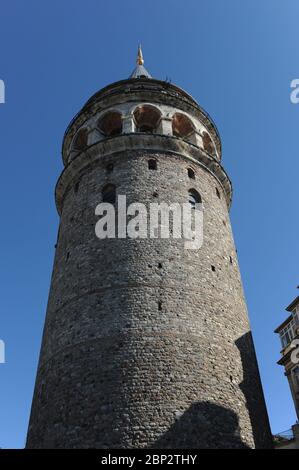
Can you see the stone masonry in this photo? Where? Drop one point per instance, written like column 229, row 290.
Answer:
column 145, row 344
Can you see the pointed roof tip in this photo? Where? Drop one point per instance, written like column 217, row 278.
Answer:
column 140, row 60
column 140, row 71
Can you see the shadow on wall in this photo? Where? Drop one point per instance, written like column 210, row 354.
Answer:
column 204, row 425
column 254, row 395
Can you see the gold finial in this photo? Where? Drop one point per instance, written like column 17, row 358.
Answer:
column 140, row 60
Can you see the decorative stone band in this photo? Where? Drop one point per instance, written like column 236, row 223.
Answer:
column 146, row 142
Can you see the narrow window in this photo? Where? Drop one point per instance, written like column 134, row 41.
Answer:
column 194, row 198
column 160, row 305
column 109, row 194
column 191, row 173
column 152, row 164
column 296, row 377
column 76, row 187
column 109, row 168
column 213, row 268
column 218, row 193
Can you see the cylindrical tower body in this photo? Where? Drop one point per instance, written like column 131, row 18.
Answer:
column 146, row 343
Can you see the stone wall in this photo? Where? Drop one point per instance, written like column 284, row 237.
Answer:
column 145, row 345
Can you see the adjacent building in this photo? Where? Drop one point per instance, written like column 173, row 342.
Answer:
column 289, row 333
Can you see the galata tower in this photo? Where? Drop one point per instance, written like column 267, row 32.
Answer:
column 146, row 344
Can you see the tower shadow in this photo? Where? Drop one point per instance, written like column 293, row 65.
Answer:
column 204, row 425
column 253, row 392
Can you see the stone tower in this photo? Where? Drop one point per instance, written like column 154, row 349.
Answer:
column 146, row 343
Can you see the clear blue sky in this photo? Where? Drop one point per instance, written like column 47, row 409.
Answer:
column 237, row 59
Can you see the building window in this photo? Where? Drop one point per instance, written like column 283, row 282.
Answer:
column 295, row 373
column 110, row 124
column 152, row 164
column 208, row 143
column 183, row 127
column 288, row 333
column 147, row 119
column 109, row 194
column 109, row 168
column 76, row 187
column 191, row 173
column 80, row 140
column 194, row 198
column 218, row 193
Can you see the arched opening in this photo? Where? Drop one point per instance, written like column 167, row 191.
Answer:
column 183, row 127
column 208, row 143
column 147, row 119
column 191, row 173
column 109, row 193
column 109, row 168
column 110, row 124
column 194, row 198
column 152, row 164
column 80, row 140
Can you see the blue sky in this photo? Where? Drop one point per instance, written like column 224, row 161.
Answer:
column 237, row 59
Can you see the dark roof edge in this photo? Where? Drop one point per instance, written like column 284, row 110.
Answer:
column 293, row 304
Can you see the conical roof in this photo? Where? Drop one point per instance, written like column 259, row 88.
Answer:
column 140, row 71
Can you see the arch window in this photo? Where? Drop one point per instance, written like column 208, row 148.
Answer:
column 110, row 124
column 152, row 164
column 183, row 127
column 80, row 140
column 147, row 119
column 191, row 173
column 109, row 168
column 208, row 143
column 194, row 198
column 109, row 193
